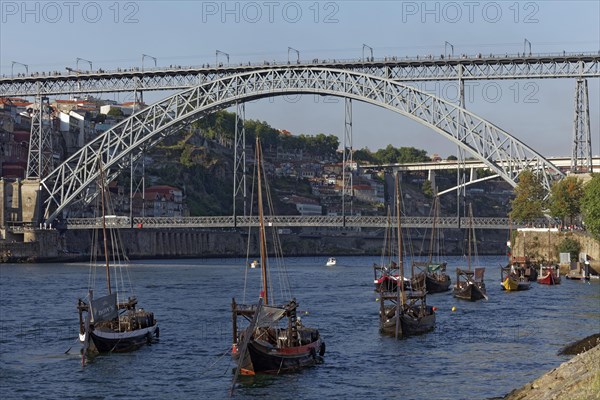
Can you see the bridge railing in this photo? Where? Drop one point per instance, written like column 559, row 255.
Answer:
column 277, row 63
column 284, row 221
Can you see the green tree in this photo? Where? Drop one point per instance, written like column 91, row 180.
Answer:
column 569, row 245
column 392, row 155
column 364, row 155
column 427, row 188
column 590, row 205
column 115, row 112
column 565, row 198
column 528, row 203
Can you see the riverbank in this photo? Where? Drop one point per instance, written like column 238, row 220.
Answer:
column 75, row 245
column 576, row 379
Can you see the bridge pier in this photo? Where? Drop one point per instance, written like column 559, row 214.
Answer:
column 431, row 178
column 19, row 202
column 473, row 175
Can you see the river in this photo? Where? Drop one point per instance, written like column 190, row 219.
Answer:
column 481, row 350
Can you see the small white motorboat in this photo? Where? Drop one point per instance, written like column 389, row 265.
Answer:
column 331, row 262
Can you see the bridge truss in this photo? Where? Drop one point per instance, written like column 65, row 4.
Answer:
column 72, row 181
column 478, row 67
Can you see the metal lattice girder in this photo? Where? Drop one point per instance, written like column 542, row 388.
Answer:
column 239, row 158
column 289, row 221
column 347, row 174
column 586, row 65
column 40, row 159
column 581, row 159
column 502, row 152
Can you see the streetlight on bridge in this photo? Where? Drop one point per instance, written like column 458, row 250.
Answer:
column 146, row 55
column 526, row 44
column 363, row 52
column 82, row 59
column 446, row 44
column 297, row 55
column 12, row 68
column 217, row 56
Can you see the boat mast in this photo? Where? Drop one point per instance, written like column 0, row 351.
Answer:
column 470, row 233
column 510, row 240
column 262, row 236
column 433, row 241
column 400, row 261
column 103, row 208
column 389, row 237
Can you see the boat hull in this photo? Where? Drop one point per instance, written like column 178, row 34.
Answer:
column 409, row 324
column 433, row 283
column 470, row 292
column 269, row 359
column 512, row 285
column 121, row 342
column 549, row 279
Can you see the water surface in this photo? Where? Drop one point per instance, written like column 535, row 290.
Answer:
column 481, row 350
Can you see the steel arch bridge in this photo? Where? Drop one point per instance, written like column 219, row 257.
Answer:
column 124, row 143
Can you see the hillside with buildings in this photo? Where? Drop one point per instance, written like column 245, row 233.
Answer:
column 191, row 173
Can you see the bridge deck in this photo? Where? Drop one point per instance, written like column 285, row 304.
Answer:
column 471, row 67
column 229, row 222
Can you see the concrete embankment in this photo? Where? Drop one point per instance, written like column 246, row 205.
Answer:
column 543, row 243
column 52, row 245
column 576, row 379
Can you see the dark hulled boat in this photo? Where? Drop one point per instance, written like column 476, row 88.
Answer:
column 431, row 274
column 112, row 323
column 408, row 317
column 126, row 332
column 403, row 312
column 469, row 284
column 277, row 342
column 273, row 340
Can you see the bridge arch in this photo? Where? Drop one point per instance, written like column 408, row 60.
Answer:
column 503, row 153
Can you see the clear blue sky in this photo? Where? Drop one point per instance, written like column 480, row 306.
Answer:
column 51, row 35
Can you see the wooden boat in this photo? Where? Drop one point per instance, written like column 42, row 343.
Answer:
column 432, row 273
column 513, row 279
column 331, row 262
column 387, row 274
column 274, row 339
column 549, row 275
column 387, row 278
column 113, row 322
column 524, row 267
column 403, row 312
column 469, row 284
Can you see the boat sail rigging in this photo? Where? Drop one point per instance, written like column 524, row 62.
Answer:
column 403, row 312
column 469, row 283
column 112, row 323
column 274, row 339
column 432, row 273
